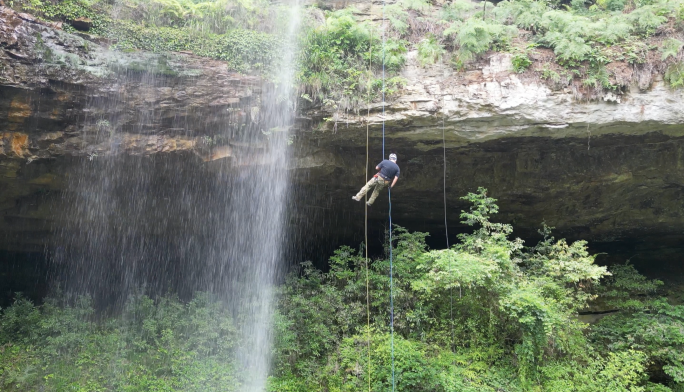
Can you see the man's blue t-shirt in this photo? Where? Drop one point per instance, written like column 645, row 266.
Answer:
column 388, row 170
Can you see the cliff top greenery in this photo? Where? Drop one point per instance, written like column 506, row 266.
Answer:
column 590, row 47
column 489, row 314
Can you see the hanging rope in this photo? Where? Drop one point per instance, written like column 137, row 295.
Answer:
column 389, row 197
column 370, row 69
column 446, row 234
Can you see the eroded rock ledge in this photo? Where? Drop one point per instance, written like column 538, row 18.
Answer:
column 63, row 94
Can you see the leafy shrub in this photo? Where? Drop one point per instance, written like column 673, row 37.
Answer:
column 216, row 16
column 577, row 37
column 626, row 289
column 657, row 331
column 525, row 14
column 486, row 315
column 485, row 297
column 413, row 371
column 397, row 18
column 647, row 19
column 520, row 60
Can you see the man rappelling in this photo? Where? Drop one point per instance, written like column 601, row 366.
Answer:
column 388, row 171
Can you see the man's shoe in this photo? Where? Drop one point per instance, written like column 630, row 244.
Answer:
column 368, row 204
column 355, row 198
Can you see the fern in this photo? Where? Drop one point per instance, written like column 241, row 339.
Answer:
column 525, row 14
column 670, row 48
column 458, row 10
column 559, row 21
column 429, row 50
column 452, row 30
column 416, row 5
column 674, row 75
column 613, row 30
column 598, row 78
column 647, row 19
column 568, row 49
column 394, row 54
column 398, row 19
column 476, row 36
column 611, row 5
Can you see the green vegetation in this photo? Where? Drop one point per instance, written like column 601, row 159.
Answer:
column 429, row 50
column 243, row 50
column 488, row 314
column 513, row 327
column 342, row 53
column 66, row 11
column 341, row 60
column 521, row 60
column 238, row 32
column 152, row 346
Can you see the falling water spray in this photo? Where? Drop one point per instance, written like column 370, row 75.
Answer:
column 258, row 210
column 161, row 223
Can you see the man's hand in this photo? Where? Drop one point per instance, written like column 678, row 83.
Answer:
column 394, row 182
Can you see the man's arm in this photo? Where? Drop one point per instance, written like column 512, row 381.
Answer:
column 394, row 182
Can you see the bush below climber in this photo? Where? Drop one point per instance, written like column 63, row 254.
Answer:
column 388, row 171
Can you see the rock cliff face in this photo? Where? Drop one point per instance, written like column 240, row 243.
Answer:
column 609, row 171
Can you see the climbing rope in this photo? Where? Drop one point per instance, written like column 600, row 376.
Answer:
column 370, row 68
column 446, row 234
column 367, row 281
column 389, row 198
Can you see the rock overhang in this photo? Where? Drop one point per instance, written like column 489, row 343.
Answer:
column 607, row 170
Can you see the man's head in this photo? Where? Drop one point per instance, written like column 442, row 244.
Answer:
column 393, row 157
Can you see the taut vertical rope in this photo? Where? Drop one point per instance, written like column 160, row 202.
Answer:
column 370, row 69
column 446, row 234
column 389, row 196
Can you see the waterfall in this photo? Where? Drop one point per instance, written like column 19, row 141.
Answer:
column 161, row 223
column 257, row 213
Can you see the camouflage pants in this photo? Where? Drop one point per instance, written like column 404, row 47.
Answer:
column 378, row 183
